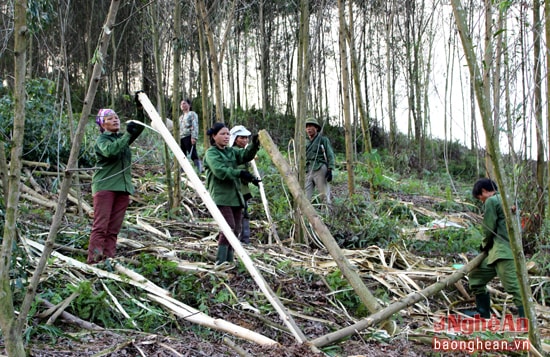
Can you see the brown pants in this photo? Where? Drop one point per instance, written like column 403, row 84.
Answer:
column 109, row 210
column 234, row 217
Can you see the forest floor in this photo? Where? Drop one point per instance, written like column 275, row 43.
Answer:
column 317, row 308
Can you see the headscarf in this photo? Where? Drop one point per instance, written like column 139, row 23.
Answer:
column 237, row 131
column 99, row 119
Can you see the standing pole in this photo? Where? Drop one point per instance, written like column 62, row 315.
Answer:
column 272, row 226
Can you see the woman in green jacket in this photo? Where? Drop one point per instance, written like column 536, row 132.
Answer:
column 223, row 181
column 112, row 183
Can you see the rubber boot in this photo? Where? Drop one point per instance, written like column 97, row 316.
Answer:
column 483, row 305
column 521, row 311
column 244, row 237
column 230, row 254
column 222, row 254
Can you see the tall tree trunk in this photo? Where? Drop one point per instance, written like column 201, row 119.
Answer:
column 216, row 50
column 11, row 328
column 302, row 90
column 203, row 69
column 157, row 56
column 390, row 75
column 176, row 96
column 547, row 36
column 541, row 165
column 264, row 60
column 493, row 148
column 345, row 94
column 363, row 110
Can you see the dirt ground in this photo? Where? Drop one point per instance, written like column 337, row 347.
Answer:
column 190, row 345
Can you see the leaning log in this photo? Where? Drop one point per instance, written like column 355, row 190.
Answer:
column 411, row 299
column 321, row 229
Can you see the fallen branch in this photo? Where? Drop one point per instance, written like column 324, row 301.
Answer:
column 70, row 318
column 400, row 305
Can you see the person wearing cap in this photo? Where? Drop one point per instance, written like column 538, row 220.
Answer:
column 223, row 181
column 320, row 161
column 189, row 132
column 500, row 258
column 239, row 138
column 112, row 183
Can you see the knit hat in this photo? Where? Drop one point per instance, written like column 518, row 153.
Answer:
column 100, row 118
column 238, row 130
column 313, row 121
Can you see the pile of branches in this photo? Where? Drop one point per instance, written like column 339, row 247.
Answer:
column 298, row 274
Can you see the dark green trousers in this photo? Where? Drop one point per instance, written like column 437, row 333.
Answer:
column 505, row 269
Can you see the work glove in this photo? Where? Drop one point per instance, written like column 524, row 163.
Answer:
column 256, row 140
column 247, row 177
column 134, row 129
column 139, row 106
column 328, row 175
column 487, row 246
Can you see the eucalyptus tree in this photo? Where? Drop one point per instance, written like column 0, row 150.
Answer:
column 547, row 49
column 302, row 92
column 541, row 165
column 217, row 42
column 345, row 91
column 10, row 323
column 176, row 84
column 160, row 37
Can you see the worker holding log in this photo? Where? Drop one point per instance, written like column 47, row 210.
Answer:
column 500, row 260
column 320, row 161
column 239, row 138
column 112, row 183
column 223, row 181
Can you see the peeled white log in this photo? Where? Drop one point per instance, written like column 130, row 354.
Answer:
column 158, row 124
column 163, row 297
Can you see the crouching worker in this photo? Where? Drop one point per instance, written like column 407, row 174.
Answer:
column 223, row 181
column 500, row 260
column 112, row 183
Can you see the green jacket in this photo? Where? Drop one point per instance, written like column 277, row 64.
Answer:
column 494, row 229
column 318, row 153
column 115, row 161
column 223, row 173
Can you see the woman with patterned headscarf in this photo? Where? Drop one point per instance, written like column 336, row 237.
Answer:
column 112, row 183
